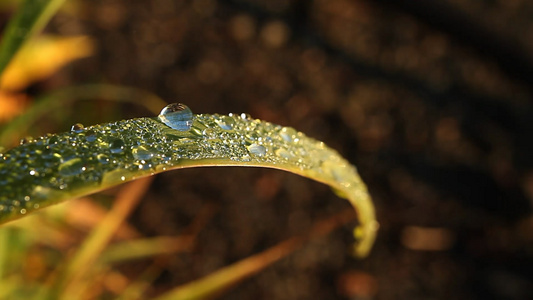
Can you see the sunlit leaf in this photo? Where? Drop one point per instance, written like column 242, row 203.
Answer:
column 58, row 167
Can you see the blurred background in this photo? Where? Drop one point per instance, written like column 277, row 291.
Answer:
column 431, row 100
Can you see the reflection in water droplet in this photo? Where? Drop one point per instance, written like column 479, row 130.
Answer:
column 72, row 167
column 177, row 116
column 78, row 127
column 142, row 153
column 116, row 146
column 256, row 149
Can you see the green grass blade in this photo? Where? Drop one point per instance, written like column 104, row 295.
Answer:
column 216, row 283
column 58, row 167
column 72, row 277
column 143, row 248
column 30, row 18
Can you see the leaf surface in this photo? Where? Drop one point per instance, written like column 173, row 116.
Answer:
column 58, row 167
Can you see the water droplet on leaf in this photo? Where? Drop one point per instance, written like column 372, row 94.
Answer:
column 177, row 116
column 284, row 153
column 71, row 167
column 142, row 153
column 102, row 158
column 226, row 123
column 78, row 127
column 246, row 116
column 116, row 146
column 256, row 149
column 288, row 133
column 90, row 135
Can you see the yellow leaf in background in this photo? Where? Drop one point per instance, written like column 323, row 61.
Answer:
column 42, row 57
column 11, row 105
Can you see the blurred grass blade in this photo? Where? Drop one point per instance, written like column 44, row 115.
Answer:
column 10, row 284
column 30, row 18
column 136, row 290
column 142, row 248
column 220, row 281
column 4, row 249
column 86, row 255
column 41, row 57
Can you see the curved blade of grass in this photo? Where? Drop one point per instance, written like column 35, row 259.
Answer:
column 30, row 18
column 216, row 283
column 57, row 167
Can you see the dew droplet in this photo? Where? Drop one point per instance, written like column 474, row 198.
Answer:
column 209, row 133
column 115, row 176
column 116, row 146
column 288, row 133
column 102, row 158
column 90, row 135
column 256, row 149
column 226, row 123
column 71, row 167
column 78, row 127
column 284, row 153
column 142, row 153
column 177, row 116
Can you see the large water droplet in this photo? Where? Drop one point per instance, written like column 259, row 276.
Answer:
column 256, row 149
column 72, row 167
column 177, row 116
